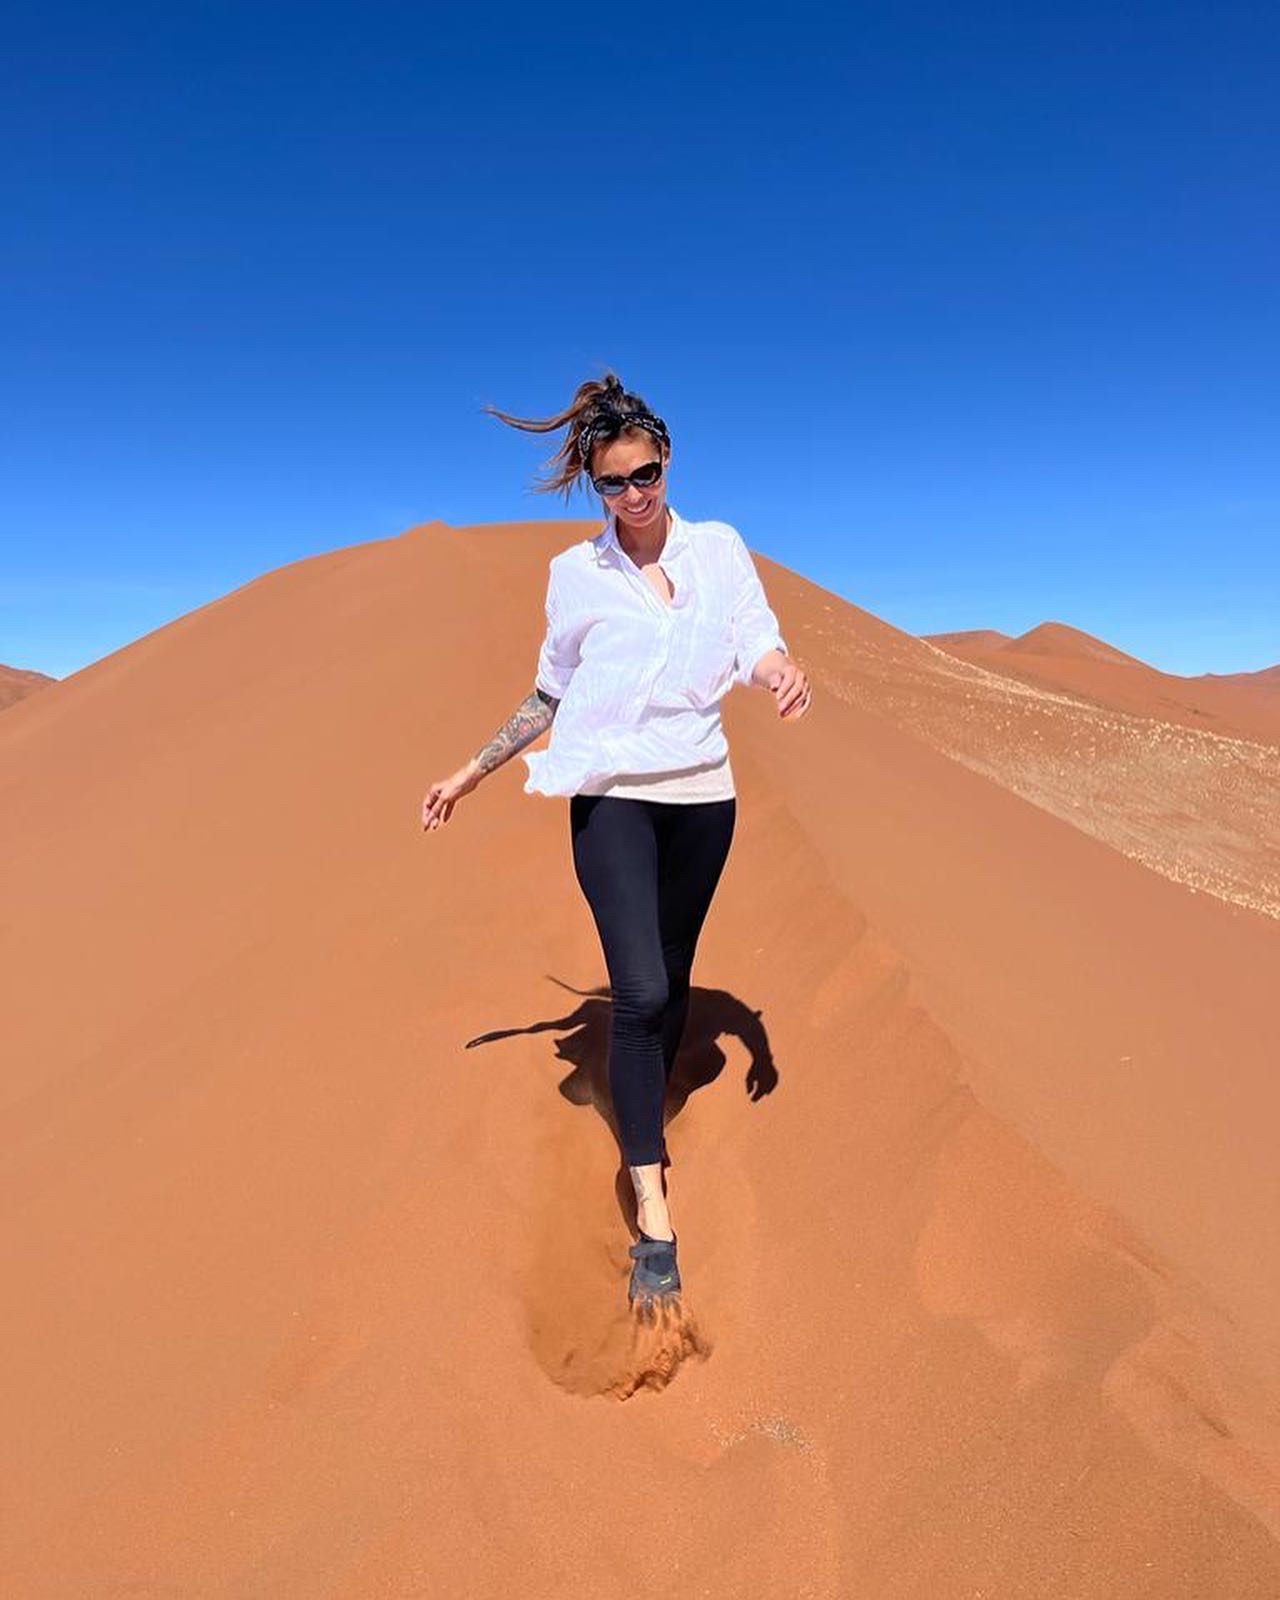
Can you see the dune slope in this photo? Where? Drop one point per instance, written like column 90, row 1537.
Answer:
column 316, row 1263
column 1243, row 705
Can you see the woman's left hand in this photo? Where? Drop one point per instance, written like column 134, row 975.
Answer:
column 787, row 681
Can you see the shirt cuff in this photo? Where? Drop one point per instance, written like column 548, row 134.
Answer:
column 760, row 646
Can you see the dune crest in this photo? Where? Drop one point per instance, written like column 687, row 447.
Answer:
column 1060, row 639
column 313, row 1233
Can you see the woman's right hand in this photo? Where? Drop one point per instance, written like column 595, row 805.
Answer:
column 445, row 793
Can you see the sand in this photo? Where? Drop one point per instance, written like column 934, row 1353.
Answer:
column 1055, row 656
column 18, row 682
column 315, row 1257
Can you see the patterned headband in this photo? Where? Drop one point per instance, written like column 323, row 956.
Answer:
column 613, row 422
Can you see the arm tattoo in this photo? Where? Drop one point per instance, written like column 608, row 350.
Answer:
column 534, row 715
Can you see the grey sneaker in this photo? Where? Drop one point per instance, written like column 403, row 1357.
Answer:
column 655, row 1273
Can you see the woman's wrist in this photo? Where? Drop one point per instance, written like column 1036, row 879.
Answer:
column 770, row 662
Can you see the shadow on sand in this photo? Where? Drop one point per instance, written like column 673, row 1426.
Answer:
column 586, row 1346
column 583, row 1042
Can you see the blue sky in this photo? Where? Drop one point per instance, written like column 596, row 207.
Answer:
column 969, row 313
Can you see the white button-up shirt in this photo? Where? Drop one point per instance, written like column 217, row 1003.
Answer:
column 639, row 681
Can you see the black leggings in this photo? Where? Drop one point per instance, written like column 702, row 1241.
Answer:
column 648, row 869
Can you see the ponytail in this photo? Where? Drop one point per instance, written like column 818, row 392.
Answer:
column 600, row 411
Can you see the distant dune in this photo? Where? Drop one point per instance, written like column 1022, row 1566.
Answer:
column 1045, row 639
column 1267, row 678
column 17, row 682
column 1058, row 639
column 972, row 639
column 1054, row 655
column 314, row 1270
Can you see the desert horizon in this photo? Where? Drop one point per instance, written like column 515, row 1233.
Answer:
column 1048, row 637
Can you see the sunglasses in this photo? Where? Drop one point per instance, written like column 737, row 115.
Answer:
column 642, row 478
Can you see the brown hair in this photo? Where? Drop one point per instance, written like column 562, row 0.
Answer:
column 602, row 405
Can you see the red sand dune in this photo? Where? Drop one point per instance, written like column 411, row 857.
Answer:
column 970, row 638
column 1056, row 656
column 1267, row 678
column 1059, row 639
column 974, row 1150
column 18, row 682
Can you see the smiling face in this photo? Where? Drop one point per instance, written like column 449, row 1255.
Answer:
column 643, row 510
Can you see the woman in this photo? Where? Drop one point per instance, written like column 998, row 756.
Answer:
column 649, row 625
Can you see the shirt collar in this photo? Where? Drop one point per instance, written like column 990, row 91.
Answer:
column 677, row 536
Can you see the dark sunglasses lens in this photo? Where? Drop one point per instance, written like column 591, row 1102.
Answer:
column 642, row 478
